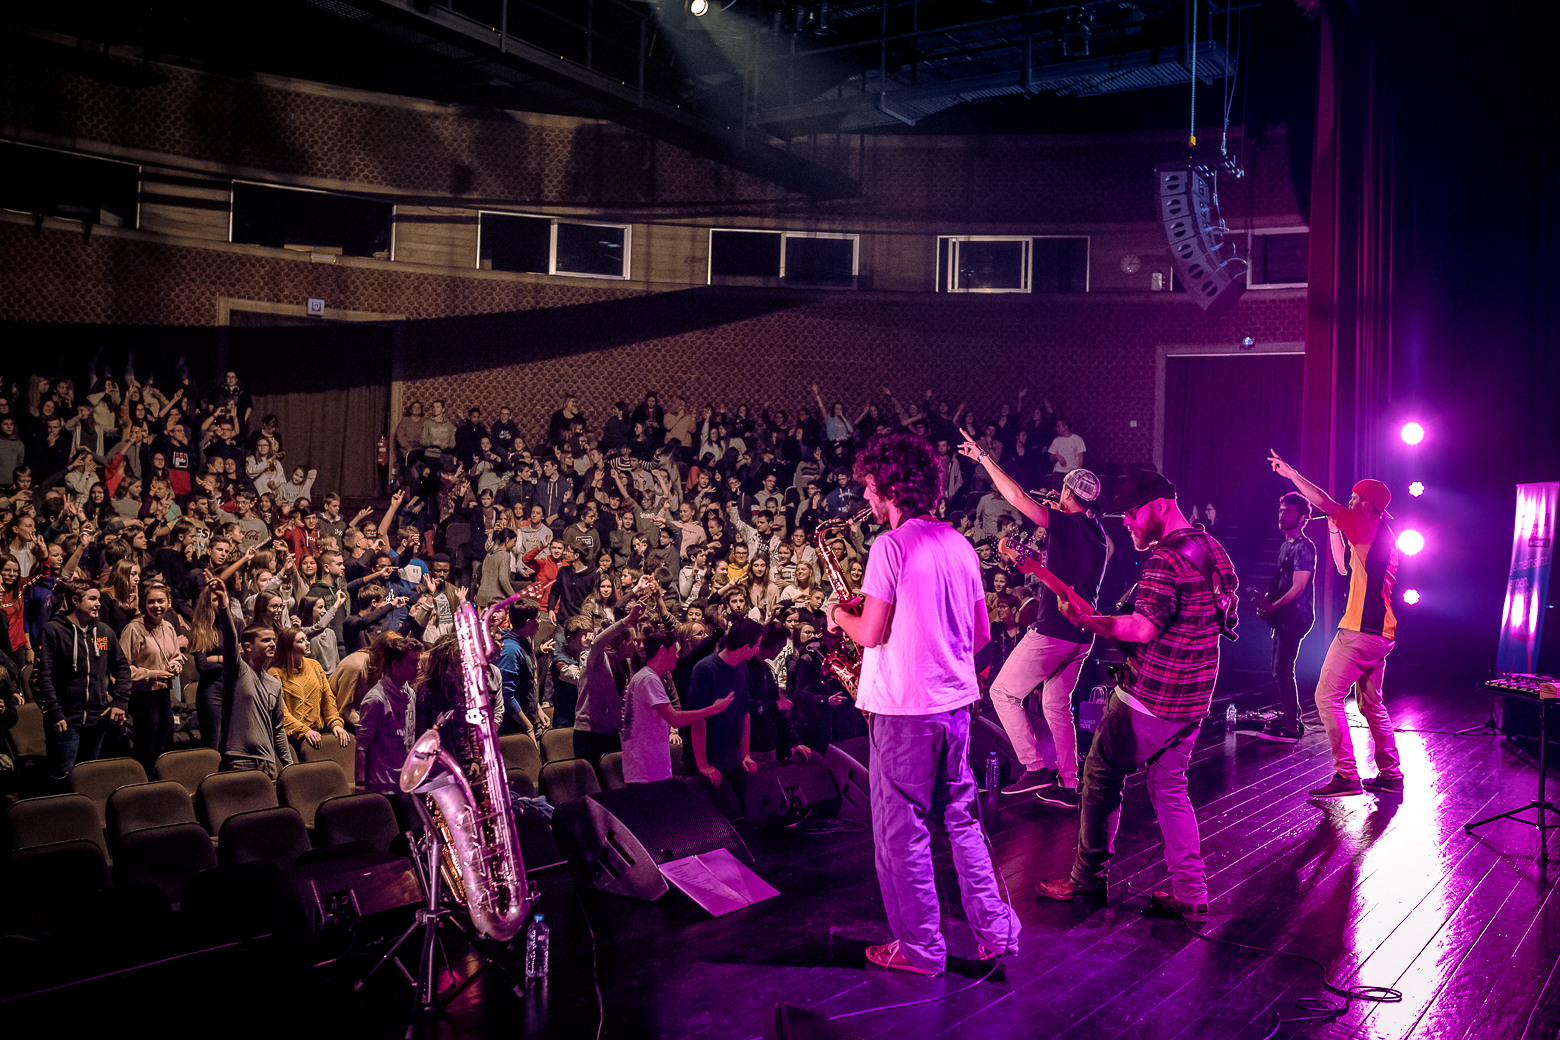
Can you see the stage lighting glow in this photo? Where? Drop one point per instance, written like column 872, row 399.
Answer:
column 1411, row 597
column 1412, row 433
column 699, row 8
column 1417, row 488
column 1410, row 542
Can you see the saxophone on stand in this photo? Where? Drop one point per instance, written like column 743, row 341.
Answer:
column 473, row 812
column 844, row 661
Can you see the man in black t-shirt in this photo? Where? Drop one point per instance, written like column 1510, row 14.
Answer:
column 1288, row 609
column 1052, row 652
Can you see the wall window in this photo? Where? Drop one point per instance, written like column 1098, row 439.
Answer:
column 546, row 245
column 1279, row 258
column 50, row 183
column 1012, row 263
column 312, row 221
column 795, row 259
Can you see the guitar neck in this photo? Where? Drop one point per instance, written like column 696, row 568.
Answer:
column 1057, row 585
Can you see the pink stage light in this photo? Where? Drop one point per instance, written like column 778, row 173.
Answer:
column 1411, row 542
column 1412, row 433
column 1417, row 488
column 1411, row 597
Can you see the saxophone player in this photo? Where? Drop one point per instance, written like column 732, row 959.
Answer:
column 1052, row 652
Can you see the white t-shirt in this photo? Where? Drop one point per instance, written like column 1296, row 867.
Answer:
column 647, row 750
column 930, row 576
column 1071, row 449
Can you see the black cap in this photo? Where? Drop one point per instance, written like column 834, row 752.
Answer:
column 1134, row 489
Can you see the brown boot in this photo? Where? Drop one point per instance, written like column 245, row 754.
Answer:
column 1065, row 888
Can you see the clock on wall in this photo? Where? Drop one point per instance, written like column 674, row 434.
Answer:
column 1131, row 264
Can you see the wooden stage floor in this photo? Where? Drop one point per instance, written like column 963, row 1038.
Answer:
column 1384, row 892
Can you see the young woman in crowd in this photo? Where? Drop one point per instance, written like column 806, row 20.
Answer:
column 152, row 646
column 121, row 595
column 763, row 592
column 308, row 706
column 205, row 647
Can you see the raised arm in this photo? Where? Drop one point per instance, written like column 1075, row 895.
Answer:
column 1006, row 486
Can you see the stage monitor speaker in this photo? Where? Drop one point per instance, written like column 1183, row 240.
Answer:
column 342, row 885
column 617, row 840
column 847, row 761
column 788, row 793
column 1189, row 212
column 986, row 736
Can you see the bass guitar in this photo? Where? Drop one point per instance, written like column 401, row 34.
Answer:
column 1022, row 550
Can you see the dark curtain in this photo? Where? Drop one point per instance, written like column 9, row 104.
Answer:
column 1222, row 414
column 334, row 431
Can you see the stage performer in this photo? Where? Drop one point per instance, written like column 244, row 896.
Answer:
column 1288, row 610
column 922, row 617
column 1366, row 632
column 1171, row 640
column 1052, row 652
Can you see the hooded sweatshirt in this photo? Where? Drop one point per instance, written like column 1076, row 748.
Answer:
column 82, row 672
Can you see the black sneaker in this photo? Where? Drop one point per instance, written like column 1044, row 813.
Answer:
column 1337, row 787
column 1059, row 796
column 1280, row 731
column 1384, row 784
column 1032, row 780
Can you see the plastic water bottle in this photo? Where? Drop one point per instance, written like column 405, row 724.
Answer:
column 993, row 771
column 537, row 939
column 1230, row 716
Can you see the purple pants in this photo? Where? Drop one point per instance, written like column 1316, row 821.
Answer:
column 920, row 769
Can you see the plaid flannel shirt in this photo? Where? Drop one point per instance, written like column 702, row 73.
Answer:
column 1173, row 674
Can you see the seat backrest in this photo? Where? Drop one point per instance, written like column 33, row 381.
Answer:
column 27, row 735
column 520, row 752
column 356, row 817
column 520, row 783
column 161, row 803
column 55, row 818
column 51, row 876
column 558, row 744
column 164, row 856
column 456, row 535
column 189, row 766
column 611, row 770
column 304, row 785
column 568, row 781
column 330, row 751
column 221, row 795
column 101, row 777
column 270, row 835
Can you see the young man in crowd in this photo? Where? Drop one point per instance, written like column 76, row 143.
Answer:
column 82, row 684
column 254, row 728
column 386, row 729
column 649, row 715
column 720, row 743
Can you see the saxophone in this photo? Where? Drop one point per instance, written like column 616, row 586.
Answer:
column 844, row 661
column 477, row 818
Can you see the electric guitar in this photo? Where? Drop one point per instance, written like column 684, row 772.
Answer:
column 1023, row 551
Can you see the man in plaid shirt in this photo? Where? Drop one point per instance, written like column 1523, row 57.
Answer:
column 1171, row 640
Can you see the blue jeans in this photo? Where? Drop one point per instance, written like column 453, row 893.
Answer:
column 1126, row 741
column 920, row 769
column 79, row 743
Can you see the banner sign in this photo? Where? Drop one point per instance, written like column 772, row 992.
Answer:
column 1527, row 589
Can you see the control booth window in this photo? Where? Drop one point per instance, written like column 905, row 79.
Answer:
column 312, row 221
column 547, row 245
column 793, row 259
column 1012, row 264
column 1279, row 257
column 45, row 182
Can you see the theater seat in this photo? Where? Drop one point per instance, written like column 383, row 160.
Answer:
column 568, row 781
column 161, row 803
column 226, row 794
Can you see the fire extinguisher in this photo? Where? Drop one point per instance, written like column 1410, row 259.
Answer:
column 384, row 450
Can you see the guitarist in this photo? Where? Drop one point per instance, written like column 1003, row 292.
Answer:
column 1287, row 608
column 1052, row 652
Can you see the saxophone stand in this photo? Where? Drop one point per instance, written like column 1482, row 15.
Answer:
column 431, row 917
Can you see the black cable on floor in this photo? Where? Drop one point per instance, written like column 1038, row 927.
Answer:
column 595, row 965
column 1326, row 1009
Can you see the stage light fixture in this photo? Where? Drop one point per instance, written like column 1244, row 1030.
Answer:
column 698, row 8
column 1247, row 343
column 1410, row 542
column 1412, row 433
column 1411, row 597
column 1417, row 488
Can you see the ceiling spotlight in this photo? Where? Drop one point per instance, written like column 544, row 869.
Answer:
column 698, row 8
column 1074, row 34
column 1412, row 433
column 1417, row 488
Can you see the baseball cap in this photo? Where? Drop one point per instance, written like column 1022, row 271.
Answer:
column 1135, row 489
column 1084, row 485
column 1374, row 492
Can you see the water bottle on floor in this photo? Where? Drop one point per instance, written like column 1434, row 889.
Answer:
column 993, row 771
column 1229, row 716
column 537, row 938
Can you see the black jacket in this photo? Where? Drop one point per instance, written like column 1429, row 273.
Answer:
column 81, row 672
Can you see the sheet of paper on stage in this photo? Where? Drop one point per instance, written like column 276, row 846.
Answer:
column 717, row 881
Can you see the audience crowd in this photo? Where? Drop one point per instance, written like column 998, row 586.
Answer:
column 170, row 572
